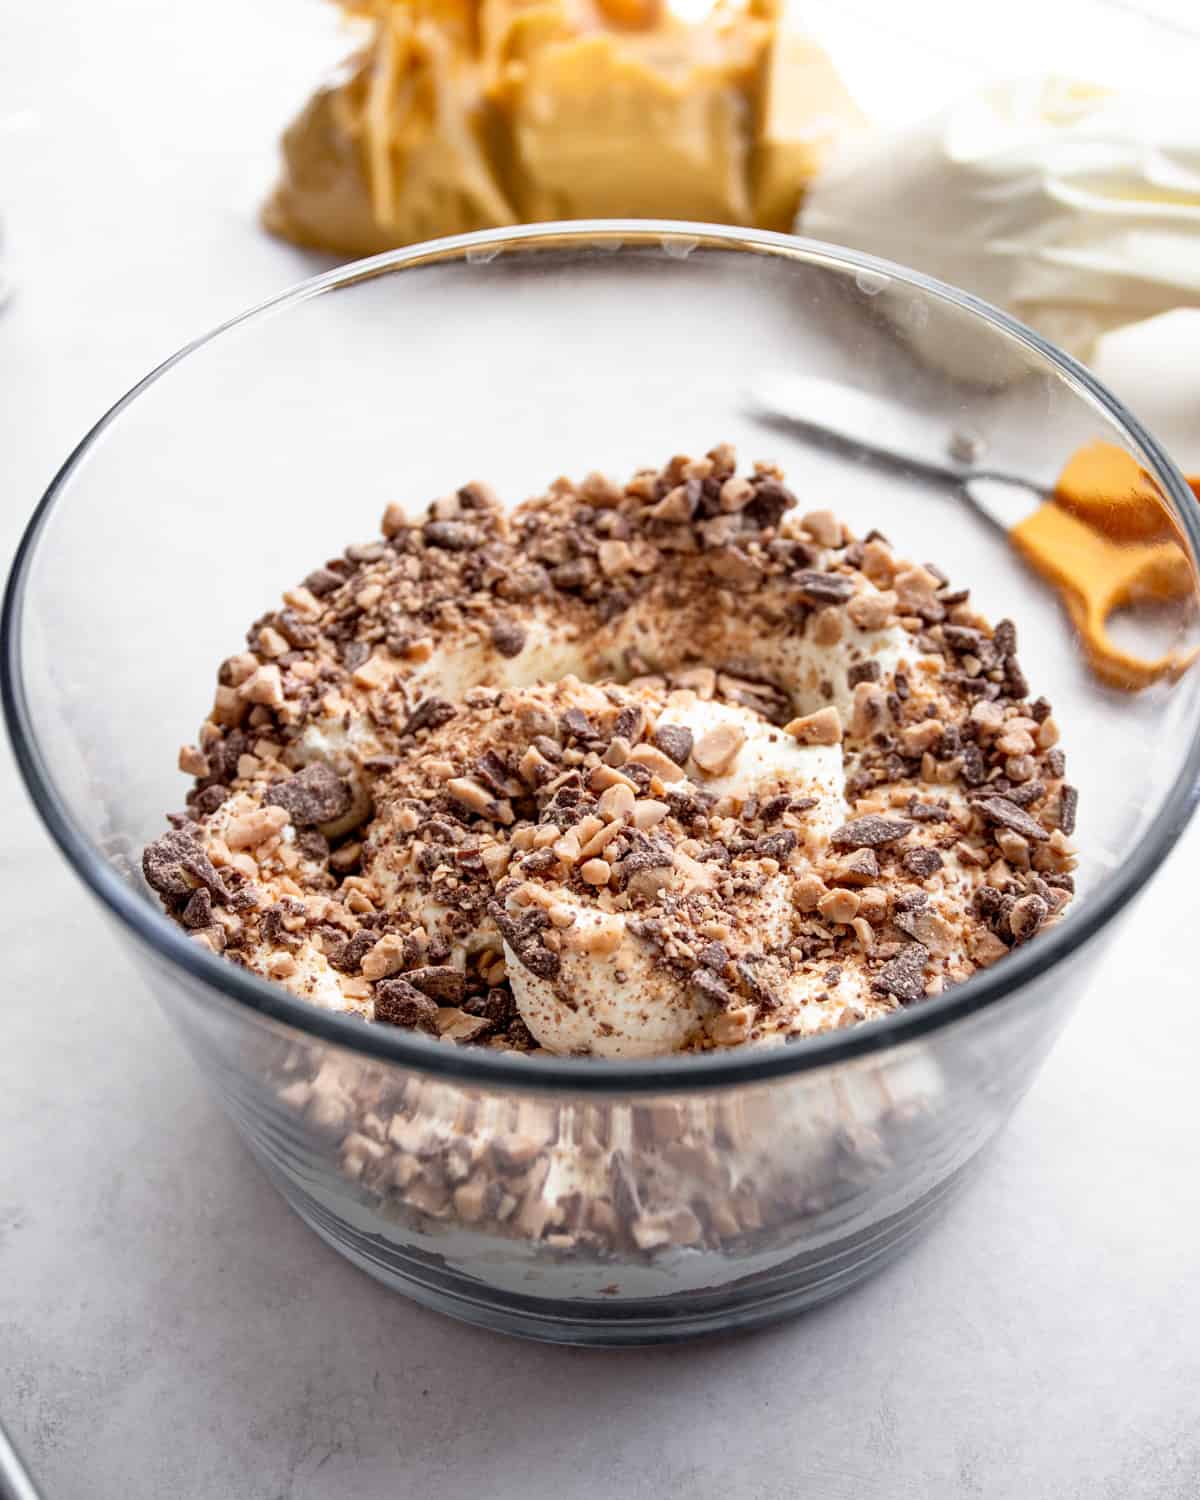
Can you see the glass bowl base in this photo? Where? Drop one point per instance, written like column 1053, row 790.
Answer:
column 743, row 1303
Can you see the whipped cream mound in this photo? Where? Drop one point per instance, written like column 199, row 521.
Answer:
column 627, row 771
column 601, row 805
column 1075, row 207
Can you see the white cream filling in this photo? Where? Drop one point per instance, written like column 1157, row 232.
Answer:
column 769, row 759
column 646, row 1011
column 625, row 1002
column 812, row 675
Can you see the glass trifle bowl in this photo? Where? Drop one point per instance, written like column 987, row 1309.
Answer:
column 509, row 1190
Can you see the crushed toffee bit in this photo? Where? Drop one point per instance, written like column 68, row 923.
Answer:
column 1006, row 812
column 524, row 937
column 823, row 588
column 1040, row 710
column 199, row 909
column 323, row 581
column 706, row 984
column 777, row 846
column 675, row 741
column 1026, row 916
column 870, row 832
column 1015, row 682
column 450, row 535
column 440, row 982
column 175, row 864
column 431, row 713
column 775, row 807
column 864, row 671
column 713, row 956
column 312, row 796
column 398, row 1003
column 974, row 767
column 628, row 724
column 858, row 868
column 1004, row 638
column 576, row 724
column 494, row 774
column 921, row 862
column 349, row 955
column 903, row 976
column 508, row 637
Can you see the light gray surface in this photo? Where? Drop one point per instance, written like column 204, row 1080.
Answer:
column 168, row 1328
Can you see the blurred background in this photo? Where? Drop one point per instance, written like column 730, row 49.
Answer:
column 139, row 142
column 908, row 59
column 140, row 1352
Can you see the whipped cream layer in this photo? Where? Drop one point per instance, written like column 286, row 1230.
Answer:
column 631, row 770
column 611, row 854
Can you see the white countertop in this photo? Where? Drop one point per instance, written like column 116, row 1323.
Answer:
column 169, row 1328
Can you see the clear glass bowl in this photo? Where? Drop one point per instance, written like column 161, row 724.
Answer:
column 507, row 1191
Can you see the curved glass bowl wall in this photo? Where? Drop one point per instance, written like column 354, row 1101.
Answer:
column 502, row 1190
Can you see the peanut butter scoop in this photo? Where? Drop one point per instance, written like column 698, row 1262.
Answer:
column 483, row 113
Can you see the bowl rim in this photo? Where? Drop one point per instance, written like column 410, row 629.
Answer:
column 226, row 982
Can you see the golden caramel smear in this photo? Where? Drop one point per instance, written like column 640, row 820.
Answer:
column 461, row 115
